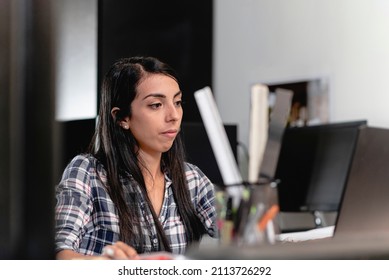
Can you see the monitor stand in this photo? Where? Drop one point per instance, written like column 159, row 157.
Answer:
column 324, row 218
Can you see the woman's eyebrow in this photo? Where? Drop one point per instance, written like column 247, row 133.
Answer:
column 178, row 93
column 160, row 95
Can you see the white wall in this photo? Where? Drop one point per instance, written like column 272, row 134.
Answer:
column 345, row 41
column 76, row 42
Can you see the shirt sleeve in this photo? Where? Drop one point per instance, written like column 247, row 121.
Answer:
column 73, row 204
column 203, row 196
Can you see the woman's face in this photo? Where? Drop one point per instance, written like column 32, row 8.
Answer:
column 156, row 113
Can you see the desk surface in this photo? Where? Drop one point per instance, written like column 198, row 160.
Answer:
column 373, row 246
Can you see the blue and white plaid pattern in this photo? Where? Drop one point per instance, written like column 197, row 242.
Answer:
column 87, row 220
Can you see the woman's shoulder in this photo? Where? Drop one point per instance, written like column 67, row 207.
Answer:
column 190, row 167
column 193, row 172
column 83, row 173
column 84, row 162
column 199, row 185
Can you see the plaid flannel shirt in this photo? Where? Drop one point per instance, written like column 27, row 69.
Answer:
column 87, row 220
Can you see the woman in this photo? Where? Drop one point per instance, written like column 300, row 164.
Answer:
column 133, row 192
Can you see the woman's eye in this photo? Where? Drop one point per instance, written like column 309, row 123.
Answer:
column 155, row 105
column 178, row 103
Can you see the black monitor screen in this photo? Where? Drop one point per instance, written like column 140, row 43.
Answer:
column 313, row 165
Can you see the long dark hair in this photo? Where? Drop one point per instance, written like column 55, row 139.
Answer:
column 117, row 150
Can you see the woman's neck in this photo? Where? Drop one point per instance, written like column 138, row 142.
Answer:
column 150, row 165
column 154, row 179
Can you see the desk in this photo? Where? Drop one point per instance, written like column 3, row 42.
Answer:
column 372, row 246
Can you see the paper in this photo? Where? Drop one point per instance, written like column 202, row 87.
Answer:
column 258, row 133
column 219, row 142
column 312, row 234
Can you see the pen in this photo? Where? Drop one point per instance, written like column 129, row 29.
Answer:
column 228, row 224
column 268, row 216
column 251, row 235
column 242, row 214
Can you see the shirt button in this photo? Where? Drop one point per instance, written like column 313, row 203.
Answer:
column 155, row 240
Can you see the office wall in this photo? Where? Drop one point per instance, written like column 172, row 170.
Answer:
column 178, row 32
column 272, row 41
column 76, row 59
column 267, row 41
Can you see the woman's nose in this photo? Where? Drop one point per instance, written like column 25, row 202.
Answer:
column 174, row 113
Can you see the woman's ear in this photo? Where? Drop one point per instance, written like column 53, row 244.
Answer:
column 124, row 123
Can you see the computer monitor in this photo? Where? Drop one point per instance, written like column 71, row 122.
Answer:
column 364, row 209
column 313, row 165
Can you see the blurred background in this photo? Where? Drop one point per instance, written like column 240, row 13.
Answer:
column 53, row 54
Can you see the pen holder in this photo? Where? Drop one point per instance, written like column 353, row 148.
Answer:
column 254, row 220
column 262, row 225
column 225, row 221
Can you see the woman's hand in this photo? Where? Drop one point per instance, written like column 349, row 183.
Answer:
column 117, row 251
column 120, row 251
